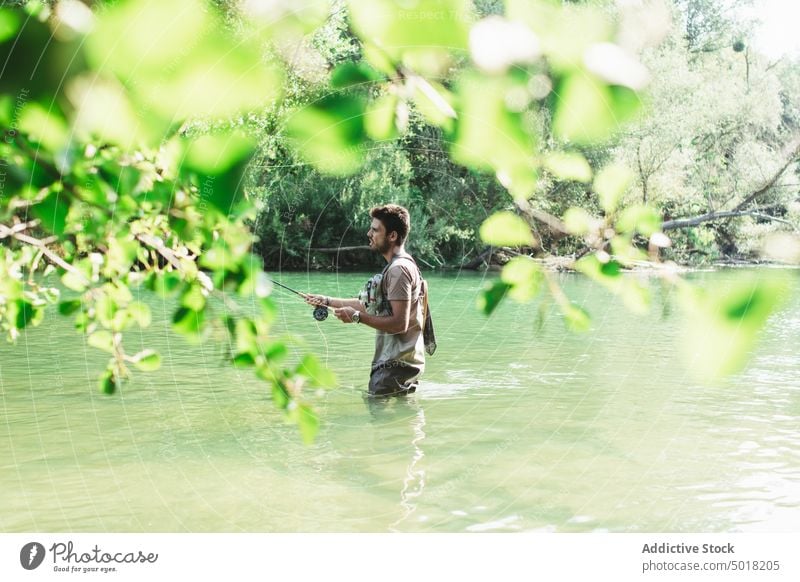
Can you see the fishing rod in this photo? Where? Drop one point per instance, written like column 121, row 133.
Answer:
column 320, row 312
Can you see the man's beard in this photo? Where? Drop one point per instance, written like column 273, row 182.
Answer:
column 382, row 249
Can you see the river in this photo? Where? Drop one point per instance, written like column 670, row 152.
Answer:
column 517, row 426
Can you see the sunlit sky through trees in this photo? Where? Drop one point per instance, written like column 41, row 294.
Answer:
column 777, row 34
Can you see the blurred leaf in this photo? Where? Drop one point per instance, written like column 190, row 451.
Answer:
column 506, row 229
column 279, row 394
column 105, row 113
column 634, row 294
column 102, row 340
column 330, row 134
column 69, row 307
column 193, row 297
column 576, row 318
column 588, row 111
column 577, row 220
column 164, row 283
column 610, row 184
column 308, row 422
column 639, row 218
column 350, row 74
column 107, row 383
column 435, row 103
column 489, row 136
column 568, row 166
column 140, row 313
column 564, row 30
column 216, row 154
column 43, row 126
column 244, row 360
column 316, row 372
column 153, row 48
column 188, row 322
column 379, row 120
column 52, row 211
column 422, row 33
column 491, row 296
column 147, row 360
column 21, row 313
column 524, row 276
column 10, row 21
column 723, row 324
column 276, row 351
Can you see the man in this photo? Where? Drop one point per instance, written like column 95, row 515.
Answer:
column 392, row 304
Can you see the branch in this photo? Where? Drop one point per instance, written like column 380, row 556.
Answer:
column 16, row 232
column 771, row 182
column 711, row 216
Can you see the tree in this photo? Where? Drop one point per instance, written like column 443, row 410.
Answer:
column 125, row 154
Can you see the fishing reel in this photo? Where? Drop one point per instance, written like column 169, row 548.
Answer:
column 321, row 313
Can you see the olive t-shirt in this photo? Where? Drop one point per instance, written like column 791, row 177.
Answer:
column 402, row 282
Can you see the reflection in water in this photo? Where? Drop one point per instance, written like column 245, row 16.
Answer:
column 385, row 410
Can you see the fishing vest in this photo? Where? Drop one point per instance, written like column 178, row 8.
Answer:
column 373, row 297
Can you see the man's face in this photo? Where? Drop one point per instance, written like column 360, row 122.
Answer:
column 378, row 240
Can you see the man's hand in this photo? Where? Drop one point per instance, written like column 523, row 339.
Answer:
column 315, row 300
column 345, row 314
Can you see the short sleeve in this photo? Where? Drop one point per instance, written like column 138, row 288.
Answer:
column 399, row 284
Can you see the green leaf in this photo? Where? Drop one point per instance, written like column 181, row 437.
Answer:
column 216, row 154
column 316, row 372
column 140, row 313
column 576, row 318
column 577, row 220
column 350, row 74
column 379, row 120
column 422, row 33
column 330, row 134
column 21, row 313
column 491, row 296
column 308, row 422
column 147, row 360
column 188, row 322
column 722, row 325
column 107, row 382
column 276, row 351
column 435, row 103
column 220, row 76
column 588, row 111
column 10, row 21
column 568, row 166
column 506, row 229
column 193, row 297
column 43, row 126
column 69, row 307
column 610, row 185
column 279, row 394
column 164, row 283
column 524, row 276
column 489, row 136
column 52, row 211
column 639, row 218
column 243, row 360
column 102, row 340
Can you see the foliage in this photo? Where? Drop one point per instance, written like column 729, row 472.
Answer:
column 128, row 132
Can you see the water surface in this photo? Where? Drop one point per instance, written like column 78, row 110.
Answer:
column 514, row 428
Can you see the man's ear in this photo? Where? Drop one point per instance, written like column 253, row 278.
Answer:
column 393, row 236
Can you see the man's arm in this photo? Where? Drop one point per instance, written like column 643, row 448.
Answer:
column 398, row 322
column 334, row 302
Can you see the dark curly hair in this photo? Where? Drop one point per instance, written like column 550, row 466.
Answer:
column 394, row 218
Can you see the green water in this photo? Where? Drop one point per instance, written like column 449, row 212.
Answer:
column 512, row 429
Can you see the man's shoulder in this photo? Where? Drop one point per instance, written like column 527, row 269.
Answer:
column 403, row 266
